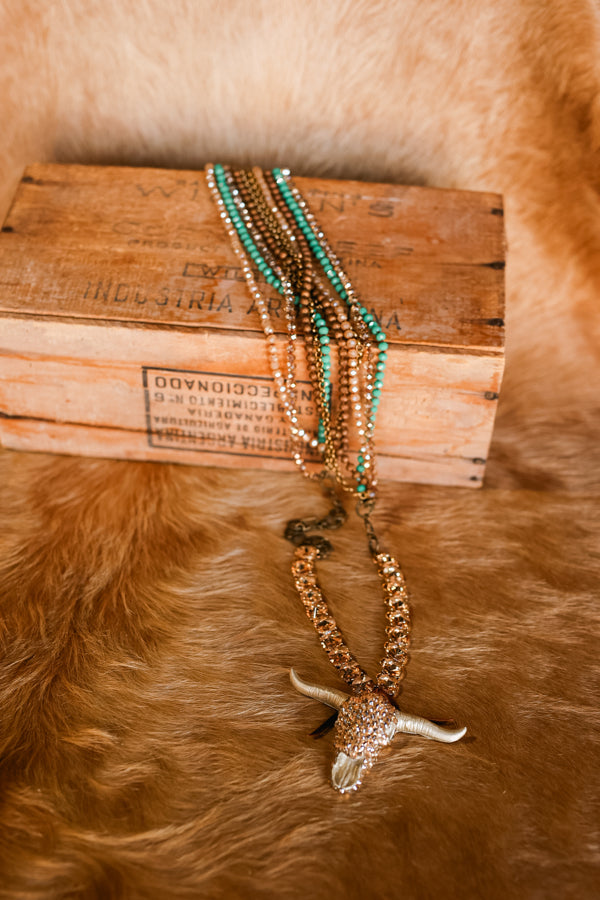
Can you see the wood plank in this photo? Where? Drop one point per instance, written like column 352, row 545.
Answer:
column 427, row 262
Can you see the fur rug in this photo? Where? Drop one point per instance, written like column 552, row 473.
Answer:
column 150, row 743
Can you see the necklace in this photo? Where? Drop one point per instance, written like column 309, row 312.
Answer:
column 279, row 243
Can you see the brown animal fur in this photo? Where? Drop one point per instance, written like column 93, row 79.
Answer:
column 150, row 744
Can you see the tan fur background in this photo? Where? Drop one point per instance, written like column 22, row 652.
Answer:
column 150, row 744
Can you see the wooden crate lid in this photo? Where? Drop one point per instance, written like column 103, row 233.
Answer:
column 134, row 245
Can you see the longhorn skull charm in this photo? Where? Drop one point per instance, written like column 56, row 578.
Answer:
column 367, row 722
column 367, row 719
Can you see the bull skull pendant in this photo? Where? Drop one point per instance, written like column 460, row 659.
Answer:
column 367, row 719
column 367, row 722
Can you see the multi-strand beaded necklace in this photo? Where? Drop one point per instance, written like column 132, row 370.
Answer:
column 280, row 244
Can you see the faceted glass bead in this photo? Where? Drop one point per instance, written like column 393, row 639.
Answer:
column 395, row 633
column 332, row 641
column 305, row 581
column 391, row 668
column 325, row 624
column 341, row 656
column 395, row 652
column 388, row 683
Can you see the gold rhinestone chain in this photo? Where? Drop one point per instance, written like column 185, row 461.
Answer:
column 395, row 660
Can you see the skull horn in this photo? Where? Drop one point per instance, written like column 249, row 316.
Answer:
column 329, row 696
column 406, row 724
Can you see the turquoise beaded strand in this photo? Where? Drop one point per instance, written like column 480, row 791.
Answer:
column 332, row 269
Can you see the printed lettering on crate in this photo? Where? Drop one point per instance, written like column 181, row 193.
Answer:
column 128, row 332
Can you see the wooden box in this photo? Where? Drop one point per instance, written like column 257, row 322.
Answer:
column 127, row 330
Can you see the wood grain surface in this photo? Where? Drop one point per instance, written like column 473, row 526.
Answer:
column 128, row 331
